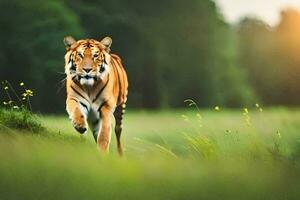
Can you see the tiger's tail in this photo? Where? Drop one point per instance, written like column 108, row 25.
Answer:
column 118, row 114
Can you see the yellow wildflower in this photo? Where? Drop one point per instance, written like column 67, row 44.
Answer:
column 29, row 92
column 22, row 84
column 217, row 108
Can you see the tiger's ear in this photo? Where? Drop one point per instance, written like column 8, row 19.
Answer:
column 69, row 41
column 107, row 41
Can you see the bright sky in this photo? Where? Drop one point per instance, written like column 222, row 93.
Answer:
column 268, row 10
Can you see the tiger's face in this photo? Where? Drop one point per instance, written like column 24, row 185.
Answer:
column 86, row 61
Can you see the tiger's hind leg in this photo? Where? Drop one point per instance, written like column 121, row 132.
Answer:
column 118, row 114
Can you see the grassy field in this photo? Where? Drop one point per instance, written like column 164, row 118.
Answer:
column 179, row 154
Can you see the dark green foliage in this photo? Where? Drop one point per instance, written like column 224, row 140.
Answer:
column 171, row 50
column 20, row 119
column 32, row 49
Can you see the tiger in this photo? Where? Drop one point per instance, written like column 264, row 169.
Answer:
column 97, row 88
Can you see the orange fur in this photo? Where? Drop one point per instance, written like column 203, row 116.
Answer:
column 97, row 88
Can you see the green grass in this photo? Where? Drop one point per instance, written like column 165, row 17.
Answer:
column 20, row 119
column 168, row 155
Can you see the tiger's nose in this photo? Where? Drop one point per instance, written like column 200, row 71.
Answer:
column 87, row 70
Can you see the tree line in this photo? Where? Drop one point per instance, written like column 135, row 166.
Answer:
column 171, row 50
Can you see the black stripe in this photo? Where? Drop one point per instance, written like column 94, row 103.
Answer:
column 116, row 71
column 98, row 94
column 85, row 106
column 119, row 79
column 78, row 92
column 73, row 66
column 102, row 68
column 70, row 58
column 74, row 99
column 99, row 109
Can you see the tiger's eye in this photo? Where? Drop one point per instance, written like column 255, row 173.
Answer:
column 96, row 55
column 80, row 55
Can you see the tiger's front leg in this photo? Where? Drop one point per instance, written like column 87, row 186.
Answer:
column 78, row 118
column 103, row 140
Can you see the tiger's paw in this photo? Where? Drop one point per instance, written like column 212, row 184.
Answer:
column 79, row 122
column 81, row 128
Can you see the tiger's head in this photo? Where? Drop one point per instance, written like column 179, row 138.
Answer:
column 86, row 61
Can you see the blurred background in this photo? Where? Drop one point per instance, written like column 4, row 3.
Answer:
column 227, row 52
